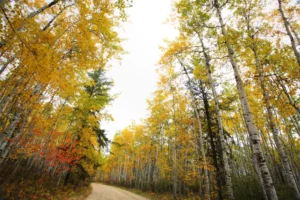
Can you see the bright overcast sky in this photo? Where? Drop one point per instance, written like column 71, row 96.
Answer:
column 135, row 79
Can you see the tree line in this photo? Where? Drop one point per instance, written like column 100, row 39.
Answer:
column 224, row 121
column 53, row 90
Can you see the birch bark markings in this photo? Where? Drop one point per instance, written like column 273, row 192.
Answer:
column 266, row 100
column 271, row 121
column 257, row 150
column 219, row 120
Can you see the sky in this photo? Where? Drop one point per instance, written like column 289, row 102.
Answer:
column 135, row 77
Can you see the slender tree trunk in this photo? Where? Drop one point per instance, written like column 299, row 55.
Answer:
column 219, row 120
column 7, row 63
column 206, row 179
column 212, row 143
column 8, row 134
column 58, row 14
column 279, row 148
column 197, row 158
column 296, row 35
column 287, row 28
column 285, row 91
column 257, row 150
column 40, row 10
column 174, row 149
column 174, row 172
column 261, row 182
column 296, row 124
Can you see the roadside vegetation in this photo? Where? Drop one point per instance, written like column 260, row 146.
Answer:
column 53, row 94
column 224, row 120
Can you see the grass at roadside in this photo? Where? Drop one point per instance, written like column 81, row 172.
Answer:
column 149, row 195
column 31, row 190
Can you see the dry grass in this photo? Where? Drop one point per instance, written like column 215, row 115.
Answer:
column 31, row 190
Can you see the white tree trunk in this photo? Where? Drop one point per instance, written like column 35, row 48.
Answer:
column 257, row 150
column 279, row 148
column 220, row 125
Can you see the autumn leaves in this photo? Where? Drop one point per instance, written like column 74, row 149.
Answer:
column 53, row 87
column 226, row 107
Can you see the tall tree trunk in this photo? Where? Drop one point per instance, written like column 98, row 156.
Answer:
column 219, row 120
column 174, row 171
column 206, row 178
column 260, row 178
column 279, row 148
column 174, row 149
column 197, row 158
column 8, row 134
column 257, row 150
column 212, row 143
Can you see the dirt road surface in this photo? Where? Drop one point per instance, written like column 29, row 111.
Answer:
column 105, row 192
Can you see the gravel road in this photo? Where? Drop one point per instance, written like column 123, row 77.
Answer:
column 105, row 192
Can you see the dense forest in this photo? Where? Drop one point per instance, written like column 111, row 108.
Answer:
column 53, row 91
column 224, row 120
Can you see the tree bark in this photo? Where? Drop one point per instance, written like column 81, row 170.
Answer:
column 33, row 14
column 219, row 120
column 272, row 125
column 206, row 179
column 257, row 150
column 7, row 63
column 212, row 143
column 197, row 158
column 8, row 133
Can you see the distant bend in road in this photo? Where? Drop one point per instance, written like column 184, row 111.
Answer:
column 105, row 192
